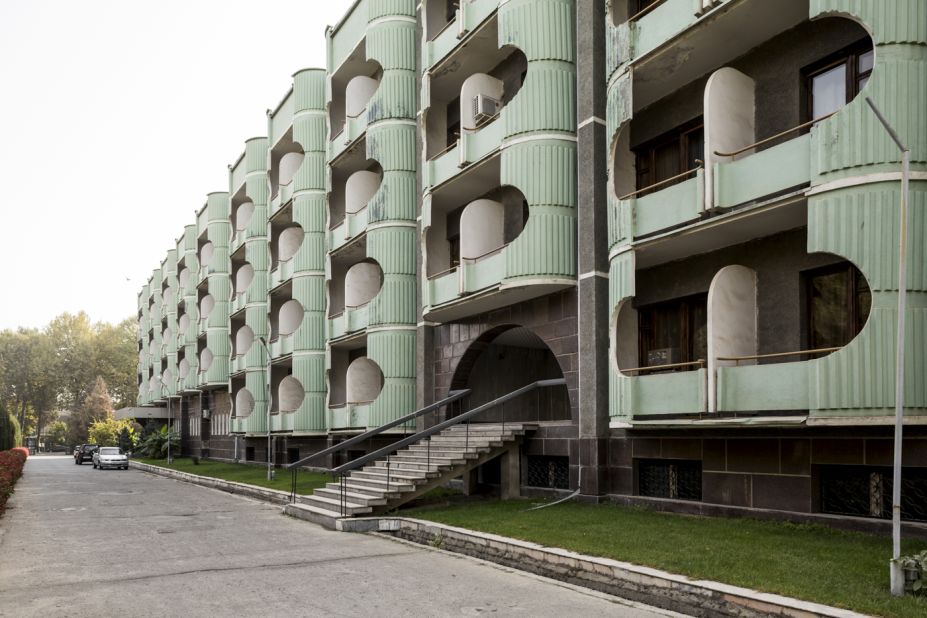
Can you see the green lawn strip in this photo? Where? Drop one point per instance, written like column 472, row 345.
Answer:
column 811, row 562
column 243, row 473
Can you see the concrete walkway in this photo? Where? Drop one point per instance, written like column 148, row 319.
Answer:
column 81, row 542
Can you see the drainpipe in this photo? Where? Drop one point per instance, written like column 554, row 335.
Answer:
column 895, row 570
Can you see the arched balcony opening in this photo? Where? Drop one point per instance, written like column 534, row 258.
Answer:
column 438, row 16
column 473, row 230
column 289, row 317
column 244, row 340
column 355, row 180
column 341, row 261
column 353, row 84
column 167, row 335
column 363, row 381
column 153, row 384
column 286, row 157
column 207, row 304
column 183, row 322
column 141, row 356
column 244, row 403
column 470, row 87
column 360, row 188
column 183, row 278
column 290, row 394
column 286, row 239
column 242, row 214
column 243, row 276
column 205, row 253
column 153, row 348
column 205, row 360
column 183, row 368
column 362, row 283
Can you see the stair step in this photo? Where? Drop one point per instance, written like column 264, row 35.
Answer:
column 315, row 514
column 408, row 477
column 352, row 496
column 333, row 504
column 409, row 458
column 411, row 466
column 375, row 483
column 374, row 491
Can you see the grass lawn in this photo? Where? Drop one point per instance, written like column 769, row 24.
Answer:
column 811, row 562
column 244, row 473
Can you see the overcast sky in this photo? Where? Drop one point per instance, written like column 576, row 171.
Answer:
column 116, row 119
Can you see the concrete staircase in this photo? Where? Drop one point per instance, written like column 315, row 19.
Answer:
column 374, row 490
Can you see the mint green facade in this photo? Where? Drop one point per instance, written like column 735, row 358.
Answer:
column 850, row 170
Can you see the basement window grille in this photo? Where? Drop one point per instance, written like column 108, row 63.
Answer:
column 866, row 491
column 249, row 453
column 292, row 455
column 666, row 478
column 552, row 472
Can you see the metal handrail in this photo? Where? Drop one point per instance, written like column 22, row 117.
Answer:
column 662, row 182
column 774, row 137
column 700, row 362
column 481, row 256
column 737, row 359
column 451, row 398
column 466, row 416
column 442, row 273
column 446, row 150
column 643, row 12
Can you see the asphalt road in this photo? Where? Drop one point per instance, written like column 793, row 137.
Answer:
column 81, row 542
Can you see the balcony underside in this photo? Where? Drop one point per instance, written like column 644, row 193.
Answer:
column 496, row 297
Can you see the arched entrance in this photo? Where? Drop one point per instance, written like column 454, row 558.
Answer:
column 502, row 360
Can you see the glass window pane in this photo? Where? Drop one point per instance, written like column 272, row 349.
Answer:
column 829, row 311
column 829, row 91
column 862, row 83
column 667, row 161
column 865, row 61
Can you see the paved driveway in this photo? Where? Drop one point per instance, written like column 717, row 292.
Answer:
column 82, row 542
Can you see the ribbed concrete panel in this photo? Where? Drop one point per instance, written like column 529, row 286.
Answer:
column 393, row 44
column 310, row 336
column 394, row 352
column 546, row 102
column 853, row 137
column 542, row 29
column 309, row 131
column 386, row 8
column 309, row 91
column 310, row 211
column 890, row 21
column 620, row 222
column 256, row 155
column 395, row 96
column 618, row 46
column 393, row 146
column 309, row 369
column 311, row 174
column 217, row 341
column 546, row 247
column 396, row 302
column 861, row 224
column 396, row 198
column 618, row 106
column 256, row 422
column 394, row 249
column 544, row 171
column 621, row 275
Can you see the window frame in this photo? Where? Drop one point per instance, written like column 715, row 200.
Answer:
column 647, row 331
column 855, row 322
column 682, row 136
column 848, row 56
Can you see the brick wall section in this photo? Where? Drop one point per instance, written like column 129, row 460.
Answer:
column 552, row 318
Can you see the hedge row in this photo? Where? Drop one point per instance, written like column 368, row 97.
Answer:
column 11, row 468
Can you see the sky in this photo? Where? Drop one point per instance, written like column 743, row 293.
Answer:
column 116, row 119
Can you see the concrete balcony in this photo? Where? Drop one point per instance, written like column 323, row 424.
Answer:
column 348, row 416
column 350, row 227
column 750, row 177
column 470, row 148
column 444, row 38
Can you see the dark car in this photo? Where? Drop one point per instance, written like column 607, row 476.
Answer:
column 84, row 452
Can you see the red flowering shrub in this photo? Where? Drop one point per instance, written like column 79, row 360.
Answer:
column 11, row 468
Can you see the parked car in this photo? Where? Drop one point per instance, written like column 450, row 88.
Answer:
column 110, row 457
column 84, row 452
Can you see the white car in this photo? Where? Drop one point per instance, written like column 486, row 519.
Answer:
column 110, row 457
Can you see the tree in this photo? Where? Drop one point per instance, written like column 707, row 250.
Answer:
column 97, row 406
column 106, row 432
column 57, row 433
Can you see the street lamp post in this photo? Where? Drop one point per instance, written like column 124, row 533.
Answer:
column 895, row 569
column 267, row 396
column 170, row 421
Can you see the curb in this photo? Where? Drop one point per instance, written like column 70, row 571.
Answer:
column 629, row 581
column 622, row 579
column 273, row 496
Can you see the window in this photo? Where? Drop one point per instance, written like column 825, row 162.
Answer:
column 669, row 155
column 673, row 332
column 866, row 491
column 836, row 80
column 552, row 472
column 838, row 303
column 453, row 237
column 667, row 478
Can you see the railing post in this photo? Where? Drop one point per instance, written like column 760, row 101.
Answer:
column 428, row 460
column 343, row 497
column 387, row 473
column 503, row 417
column 293, row 486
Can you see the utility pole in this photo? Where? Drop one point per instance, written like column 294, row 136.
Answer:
column 895, row 570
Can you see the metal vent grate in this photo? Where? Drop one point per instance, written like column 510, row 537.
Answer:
column 663, row 478
column 552, row 472
column 866, row 491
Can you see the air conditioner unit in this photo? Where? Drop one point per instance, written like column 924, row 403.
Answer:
column 207, row 414
column 484, row 108
column 663, row 356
